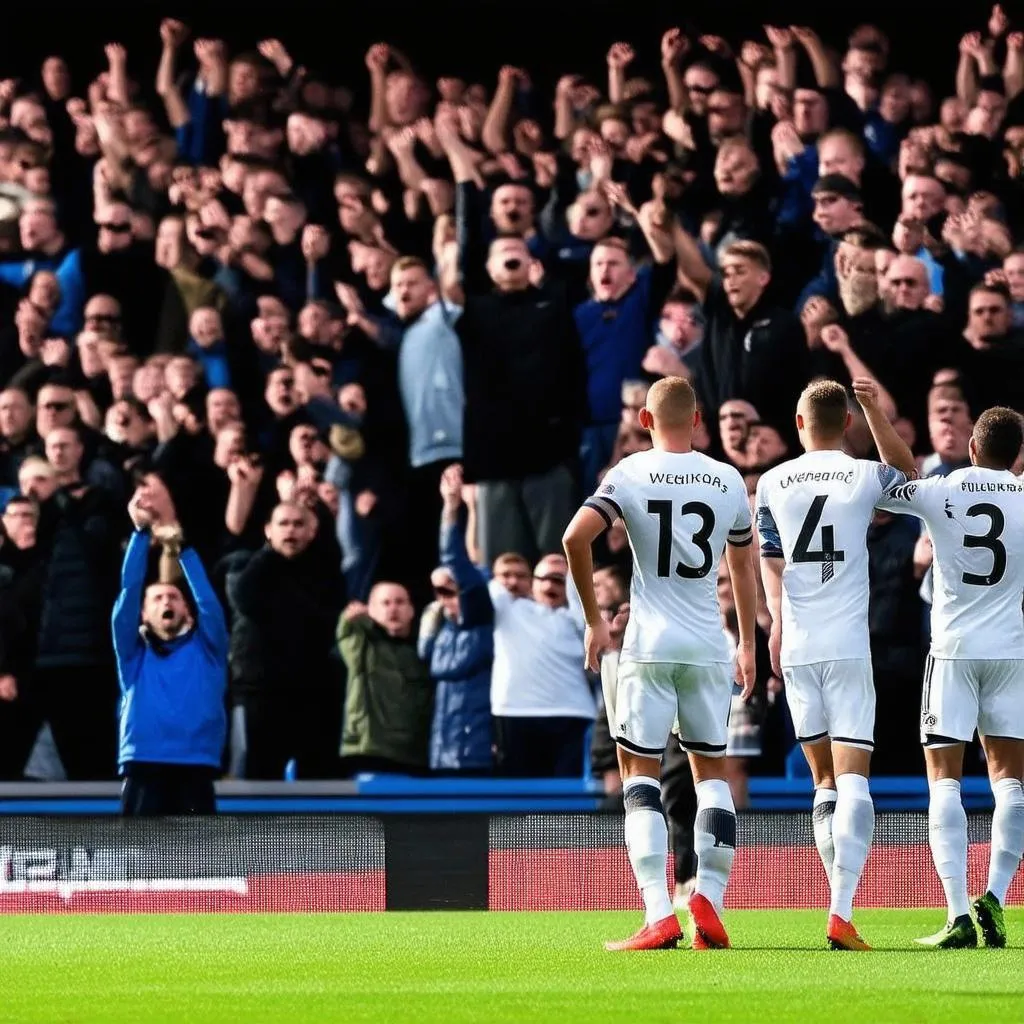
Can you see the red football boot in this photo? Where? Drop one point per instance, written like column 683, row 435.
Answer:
column 711, row 932
column 663, row 934
column 842, row 935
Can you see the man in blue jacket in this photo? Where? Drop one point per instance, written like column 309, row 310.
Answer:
column 457, row 642
column 172, row 668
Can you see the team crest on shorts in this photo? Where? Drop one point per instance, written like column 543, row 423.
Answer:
column 608, row 489
column 929, row 720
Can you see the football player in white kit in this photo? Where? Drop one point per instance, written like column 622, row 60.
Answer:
column 974, row 676
column 681, row 510
column 813, row 514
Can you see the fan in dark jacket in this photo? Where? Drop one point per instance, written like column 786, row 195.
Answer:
column 21, row 573
column 457, row 642
column 79, row 537
column 286, row 603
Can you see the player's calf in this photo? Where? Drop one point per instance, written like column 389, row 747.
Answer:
column 1007, row 836
column 714, row 839
column 853, row 827
column 647, row 844
column 715, row 843
column 1007, row 841
column 947, row 837
column 822, row 813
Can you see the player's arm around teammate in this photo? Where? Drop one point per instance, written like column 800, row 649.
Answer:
column 892, row 449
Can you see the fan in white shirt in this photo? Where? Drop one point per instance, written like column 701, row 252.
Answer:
column 541, row 699
column 974, row 676
column 681, row 510
column 813, row 515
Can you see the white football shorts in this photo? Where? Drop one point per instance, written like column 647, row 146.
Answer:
column 652, row 697
column 833, row 699
column 961, row 696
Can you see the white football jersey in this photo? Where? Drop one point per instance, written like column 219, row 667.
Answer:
column 814, row 512
column 679, row 510
column 975, row 518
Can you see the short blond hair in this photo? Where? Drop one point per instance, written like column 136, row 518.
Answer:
column 747, row 250
column 671, row 402
column 825, row 407
column 409, row 263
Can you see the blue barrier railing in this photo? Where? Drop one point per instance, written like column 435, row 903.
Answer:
column 390, row 794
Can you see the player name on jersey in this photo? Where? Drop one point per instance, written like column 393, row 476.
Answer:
column 685, row 479
column 816, row 477
column 975, row 488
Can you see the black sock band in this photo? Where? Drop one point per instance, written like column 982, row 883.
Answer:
column 823, row 810
column 643, row 798
column 721, row 824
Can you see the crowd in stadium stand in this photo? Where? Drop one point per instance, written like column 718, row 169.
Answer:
column 367, row 363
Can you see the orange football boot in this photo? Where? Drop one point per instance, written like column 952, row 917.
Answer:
column 663, row 934
column 711, row 932
column 842, row 935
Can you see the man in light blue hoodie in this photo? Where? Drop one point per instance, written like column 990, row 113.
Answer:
column 172, row 654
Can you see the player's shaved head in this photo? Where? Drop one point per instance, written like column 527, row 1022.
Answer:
column 998, row 438
column 672, row 403
column 824, row 409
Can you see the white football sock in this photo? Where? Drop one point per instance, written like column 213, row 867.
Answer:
column 947, row 836
column 714, row 839
column 821, row 817
column 647, row 843
column 1007, row 836
column 853, row 826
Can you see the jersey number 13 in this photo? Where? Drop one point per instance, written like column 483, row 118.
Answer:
column 663, row 510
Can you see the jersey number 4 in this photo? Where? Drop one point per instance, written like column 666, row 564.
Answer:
column 663, row 510
column 828, row 554
column 991, row 542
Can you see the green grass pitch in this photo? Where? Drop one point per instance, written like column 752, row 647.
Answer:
column 491, row 967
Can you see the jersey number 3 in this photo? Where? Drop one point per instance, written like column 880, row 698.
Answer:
column 991, row 542
column 663, row 510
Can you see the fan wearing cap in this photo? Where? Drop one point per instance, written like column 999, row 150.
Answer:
column 838, row 208
column 172, row 659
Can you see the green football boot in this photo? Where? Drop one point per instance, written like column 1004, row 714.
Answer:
column 989, row 912
column 958, row 934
